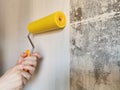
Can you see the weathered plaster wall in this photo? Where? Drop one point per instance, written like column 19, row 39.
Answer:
column 95, row 44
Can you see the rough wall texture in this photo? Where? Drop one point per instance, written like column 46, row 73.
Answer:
column 95, row 44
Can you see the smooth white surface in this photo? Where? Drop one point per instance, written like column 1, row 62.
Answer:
column 54, row 46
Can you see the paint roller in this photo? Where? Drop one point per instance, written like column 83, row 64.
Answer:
column 49, row 23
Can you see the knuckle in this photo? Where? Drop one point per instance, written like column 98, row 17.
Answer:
column 32, row 72
column 35, row 63
column 34, row 57
column 29, row 76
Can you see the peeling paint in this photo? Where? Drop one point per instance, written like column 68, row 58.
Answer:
column 92, row 8
column 95, row 45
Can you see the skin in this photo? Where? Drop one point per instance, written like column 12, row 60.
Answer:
column 17, row 77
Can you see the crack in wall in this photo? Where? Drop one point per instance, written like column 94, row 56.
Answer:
column 102, row 17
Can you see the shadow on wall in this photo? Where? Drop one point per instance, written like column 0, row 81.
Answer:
column 1, row 41
column 1, row 57
column 23, row 17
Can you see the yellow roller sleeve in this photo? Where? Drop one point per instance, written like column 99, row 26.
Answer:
column 51, row 22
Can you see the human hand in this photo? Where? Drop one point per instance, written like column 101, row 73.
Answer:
column 13, row 79
column 16, row 77
column 29, row 63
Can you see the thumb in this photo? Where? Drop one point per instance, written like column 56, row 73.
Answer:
column 21, row 59
column 23, row 55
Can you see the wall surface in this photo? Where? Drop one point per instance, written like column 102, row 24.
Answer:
column 54, row 47
column 95, row 44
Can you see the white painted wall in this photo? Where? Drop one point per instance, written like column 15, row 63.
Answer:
column 54, row 47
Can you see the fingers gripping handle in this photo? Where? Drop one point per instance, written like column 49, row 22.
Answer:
column 28, row 53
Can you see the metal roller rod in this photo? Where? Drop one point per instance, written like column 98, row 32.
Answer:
column 33, row 46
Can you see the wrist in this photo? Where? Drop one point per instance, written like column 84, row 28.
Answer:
column 1, row 83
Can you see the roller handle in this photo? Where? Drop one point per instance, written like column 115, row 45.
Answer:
column 28, row 52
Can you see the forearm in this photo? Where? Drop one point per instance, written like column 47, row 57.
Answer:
column 2, row 87
column 16, row 77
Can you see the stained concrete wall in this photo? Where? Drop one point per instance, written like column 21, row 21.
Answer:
column 54, row 47
column 95, row 44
